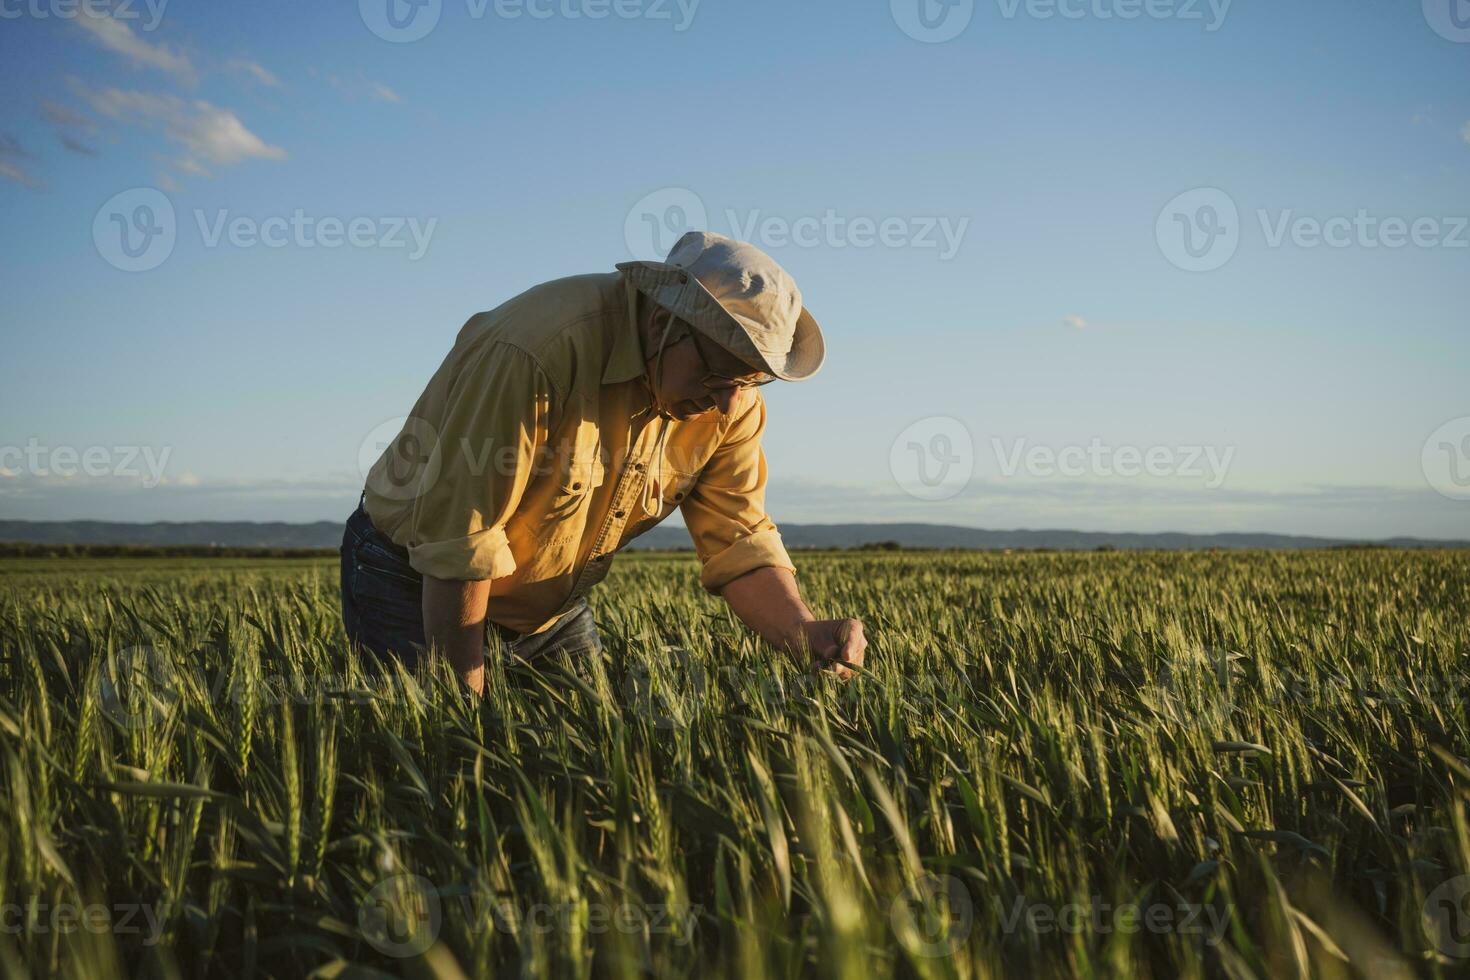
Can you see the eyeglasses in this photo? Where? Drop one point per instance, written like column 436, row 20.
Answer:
column 720, row 382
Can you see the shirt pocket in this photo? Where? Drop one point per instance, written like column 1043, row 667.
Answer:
column 574, row 487
column 678, row 484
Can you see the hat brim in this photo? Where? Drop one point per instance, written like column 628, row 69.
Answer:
column 676, row 290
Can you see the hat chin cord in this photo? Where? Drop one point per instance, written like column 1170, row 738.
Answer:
column 651, row 502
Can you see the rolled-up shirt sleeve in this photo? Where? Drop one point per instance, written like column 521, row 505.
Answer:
column 726, row 510
column 496, row 419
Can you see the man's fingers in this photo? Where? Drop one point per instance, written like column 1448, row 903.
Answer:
column 854, row 644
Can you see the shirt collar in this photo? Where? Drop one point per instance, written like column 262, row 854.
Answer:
column 625, row 361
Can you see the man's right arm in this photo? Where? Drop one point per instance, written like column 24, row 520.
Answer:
column 500, row 401
column 454, row 625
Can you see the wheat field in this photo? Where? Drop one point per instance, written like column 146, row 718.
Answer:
column 1100, row 764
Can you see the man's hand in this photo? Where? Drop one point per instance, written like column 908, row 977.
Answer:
column 834, row 644
column 766, row 599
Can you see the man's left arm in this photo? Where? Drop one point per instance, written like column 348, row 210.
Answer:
column 744, row 561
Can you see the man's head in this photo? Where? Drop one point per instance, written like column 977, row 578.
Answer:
column 689, row 374
column 738, row 299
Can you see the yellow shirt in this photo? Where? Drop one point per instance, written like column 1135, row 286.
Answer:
column 533, row 455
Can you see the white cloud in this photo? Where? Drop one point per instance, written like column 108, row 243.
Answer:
column 63, row 115
column 1073, row 320
column 10, row 171
column 117, row 36
column 1465, row 133
column 208, row 133
column 76, row 146
column 360, row 86
column 254, row 71
column 11, row 153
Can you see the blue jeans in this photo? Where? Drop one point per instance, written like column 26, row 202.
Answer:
column 382, row 606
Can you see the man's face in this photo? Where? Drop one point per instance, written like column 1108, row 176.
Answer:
column 682, row 385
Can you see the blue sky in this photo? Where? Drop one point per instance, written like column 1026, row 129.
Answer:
column 1029, row 324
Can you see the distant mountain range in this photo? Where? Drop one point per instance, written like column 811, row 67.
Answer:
column 328, row 534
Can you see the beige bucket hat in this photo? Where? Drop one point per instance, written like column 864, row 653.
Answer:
column 739, row 297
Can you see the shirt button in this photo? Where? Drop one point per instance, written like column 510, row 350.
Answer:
column 619, row 514
column 577, row 486
column 637, row 467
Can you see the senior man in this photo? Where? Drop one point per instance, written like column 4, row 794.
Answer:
column 562, row 425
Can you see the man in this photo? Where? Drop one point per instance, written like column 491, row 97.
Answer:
column 563, row 424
